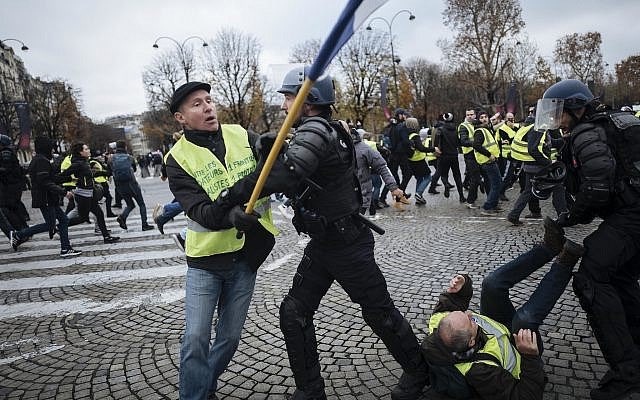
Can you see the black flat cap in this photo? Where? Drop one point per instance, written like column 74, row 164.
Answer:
column 183, row 91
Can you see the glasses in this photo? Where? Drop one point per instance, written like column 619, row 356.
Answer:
column 510, row 119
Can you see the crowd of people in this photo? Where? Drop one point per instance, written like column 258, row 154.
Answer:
column 570, row 147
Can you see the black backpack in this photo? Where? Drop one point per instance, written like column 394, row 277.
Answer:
column 625, row 142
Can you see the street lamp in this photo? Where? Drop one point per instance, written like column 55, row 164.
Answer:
column 394, row 60
column 23, row 48
column 181, row 50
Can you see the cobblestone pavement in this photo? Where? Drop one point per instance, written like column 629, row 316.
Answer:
column 108, row 324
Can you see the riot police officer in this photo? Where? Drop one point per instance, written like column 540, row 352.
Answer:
column 317, row 170
column 607, row 280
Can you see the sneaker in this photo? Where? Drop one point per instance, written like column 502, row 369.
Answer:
column 147, row 227
column 70, row 253
column 157, row 210
column 420, row 199
column 121, row 222
column 533, row 216
column 410, row 386
column 14, row 240
column 111, row 239
column 446, row 191
column 178, row 240
column 490, row 212
column 471, row 205
column 515, row 221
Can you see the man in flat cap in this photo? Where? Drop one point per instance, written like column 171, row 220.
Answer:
column 221, row 263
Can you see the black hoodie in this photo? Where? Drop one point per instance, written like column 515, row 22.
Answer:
column 44, row 190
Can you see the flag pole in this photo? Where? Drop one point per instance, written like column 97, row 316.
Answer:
column 292, row 115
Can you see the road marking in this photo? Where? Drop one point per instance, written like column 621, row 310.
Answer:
column 86, row 305
column 92, row 278
column 278, row 263
column 32, row 354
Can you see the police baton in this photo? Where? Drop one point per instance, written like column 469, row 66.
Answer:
column 366, row 221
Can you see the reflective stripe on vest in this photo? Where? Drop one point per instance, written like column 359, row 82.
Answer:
column 470, row 130
column 212, row 176
column 519, row 146
column 499, row 344
column 490, row 145
column 506, row 146
column 96, row 165
column 417, row 154
column 64, row 165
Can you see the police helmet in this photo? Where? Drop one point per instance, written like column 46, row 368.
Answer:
column 574, row 93
column 547, row 179
column 5, row 140
column 322, row 92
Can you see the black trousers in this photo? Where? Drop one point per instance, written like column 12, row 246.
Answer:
column 353, row 266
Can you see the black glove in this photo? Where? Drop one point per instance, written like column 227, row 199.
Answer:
column 241, row 220
column 265, row 143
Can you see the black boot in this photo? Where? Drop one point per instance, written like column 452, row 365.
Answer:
column 410, row 385
column 570, row 253
column 553, row 235
column 314, row 390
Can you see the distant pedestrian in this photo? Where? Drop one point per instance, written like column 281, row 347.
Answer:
column 12, row 182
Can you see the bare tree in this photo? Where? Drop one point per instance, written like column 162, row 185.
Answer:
column 522, row 68
column 163, row 77
column 362, row 63
column 305, row 52
column 628, row 77
column 56, row 110
column 483, row 28
column 232, row 65
column 425, row 78
column 581, row 54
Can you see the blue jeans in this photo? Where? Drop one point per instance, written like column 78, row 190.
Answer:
column 495, row 182
column 170, row 210
column 496, row 304
column 129, row 192
column 229, row 287
column 422, row 183
column 50, row 214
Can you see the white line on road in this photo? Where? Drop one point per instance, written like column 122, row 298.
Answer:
column 278, row 263
column 81, row 260
column 32, row 354
column 92, row 278
column 85, row 305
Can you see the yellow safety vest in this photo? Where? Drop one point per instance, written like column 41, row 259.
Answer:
column 64, row 165
column 417, row 154
column 499, row 344
column 469, row 127
column 371, row 144
column 506, row 147
column 638, row 114
column 520, row 146
column 427, row 143
column 490, row 144
column 97, row 165
column 213, row 177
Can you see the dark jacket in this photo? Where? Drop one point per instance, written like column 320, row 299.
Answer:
column 81, row 169
column 44, row 190
column 447, row 140
column 12, row 179
column 490, row 382
column 200, row 208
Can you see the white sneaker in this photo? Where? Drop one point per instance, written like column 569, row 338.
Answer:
column 70, row 253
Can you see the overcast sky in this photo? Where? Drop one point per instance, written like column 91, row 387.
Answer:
column 102, row 47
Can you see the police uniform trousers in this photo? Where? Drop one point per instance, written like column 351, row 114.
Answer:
column 353, row 266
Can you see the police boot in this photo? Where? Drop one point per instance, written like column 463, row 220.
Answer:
column 619, row 382
column 314, row 390
column 410, row 385
column 570, row 254
column 553, row 235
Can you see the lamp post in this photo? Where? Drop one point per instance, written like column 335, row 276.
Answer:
column 181, row 50
column 23, row 48
column 393, row 56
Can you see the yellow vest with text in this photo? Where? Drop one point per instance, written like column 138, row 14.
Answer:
column 97, row 166
column 212, row 176
column 499, row 344
column 506, row 146
column 417, row 154
column 490, row 144
column 470, row 129
column 64, row 165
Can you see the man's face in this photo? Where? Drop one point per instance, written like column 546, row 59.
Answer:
column 567, row 123
column 197, row 112
column 484, row 119
column 463, row 321
column 470, row 116
column 510, row 119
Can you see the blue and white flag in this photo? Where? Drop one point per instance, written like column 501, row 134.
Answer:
column 353, row 15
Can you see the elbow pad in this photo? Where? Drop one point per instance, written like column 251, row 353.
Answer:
column 596, row 165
